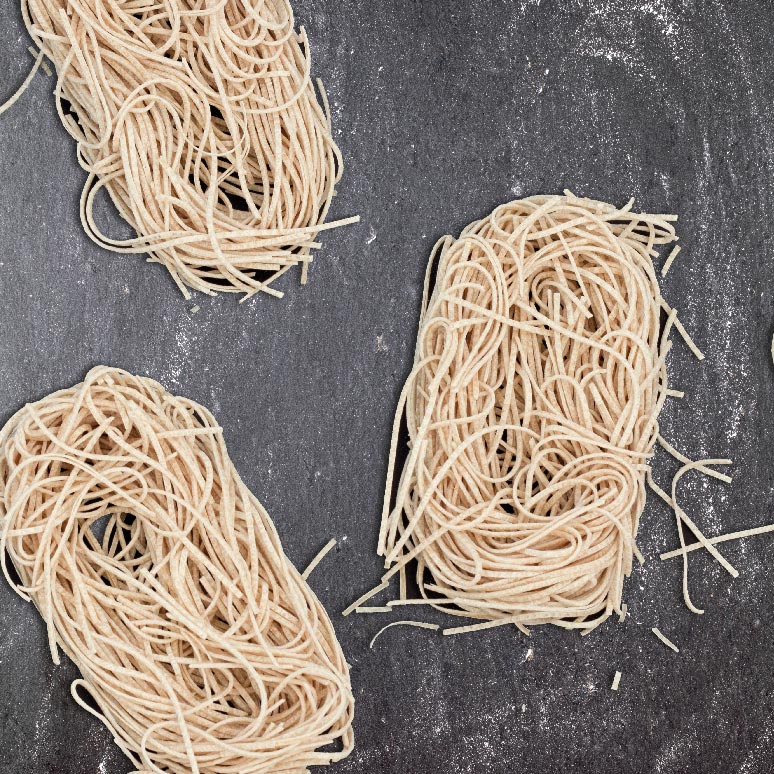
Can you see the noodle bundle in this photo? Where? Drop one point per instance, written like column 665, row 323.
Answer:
column 201, row 122
column 531, row 412
column 163, row 578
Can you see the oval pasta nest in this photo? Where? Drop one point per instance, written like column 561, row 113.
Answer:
column 531, row 412
column 163, row 578
column 201, row 122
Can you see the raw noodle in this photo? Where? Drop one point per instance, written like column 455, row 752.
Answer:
column 201, row 122
column 163, row 578
column 531, row 414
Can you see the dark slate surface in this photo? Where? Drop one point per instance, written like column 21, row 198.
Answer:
column 444, row 109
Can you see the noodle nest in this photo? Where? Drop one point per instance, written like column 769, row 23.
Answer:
column 531, row 413
column 162, row 577
column 201, row 122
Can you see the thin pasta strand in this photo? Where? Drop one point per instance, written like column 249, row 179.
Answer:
column 665, row 640
column 14, row 98
column 478, row 627
column 373, row 609
column 368, row 595
column 669, row 261
column 43, row 65
column 698, row 354
column 323, row 552
column 417, row 624
column 745, row 533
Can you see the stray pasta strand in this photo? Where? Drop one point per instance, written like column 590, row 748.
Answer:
column 669, row 261
column 745, row 533
column 43, row 65
column 324, row 551
column 665, row 640
column 373, row 609
column 417, row 624
column 14, row 98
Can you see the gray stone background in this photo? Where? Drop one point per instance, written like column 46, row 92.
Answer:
column 443, row 110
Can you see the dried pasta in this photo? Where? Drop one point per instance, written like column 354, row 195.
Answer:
column 201, row 122
column 163, row 578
